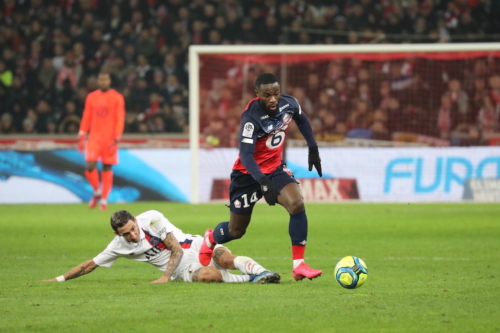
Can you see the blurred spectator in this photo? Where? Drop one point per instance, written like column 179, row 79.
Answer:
column 494, row 83
column 474, row 137
column 7, row 124
column 459, row 99
column 69, row 74
column 488, row 118
column 139, row 97
column 144, row 70
column 44, row 115
column 47, row 74
column 70, row 120
column 359, row 130
column 29, row 126
column 448, row 117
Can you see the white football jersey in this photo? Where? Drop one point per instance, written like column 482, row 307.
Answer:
column 154, row 227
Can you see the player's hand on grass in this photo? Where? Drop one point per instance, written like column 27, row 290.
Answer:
column 269, row 191
column 315, row 160
column 163, row 279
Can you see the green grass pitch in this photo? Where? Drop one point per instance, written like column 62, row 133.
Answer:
column 433, row 268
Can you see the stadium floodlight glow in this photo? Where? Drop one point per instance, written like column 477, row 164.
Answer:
column 254, row 53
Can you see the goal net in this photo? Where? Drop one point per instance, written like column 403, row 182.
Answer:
column 364, row 95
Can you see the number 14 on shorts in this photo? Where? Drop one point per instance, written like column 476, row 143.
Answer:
column 244, row 198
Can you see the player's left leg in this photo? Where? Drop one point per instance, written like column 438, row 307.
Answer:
column 107, row 184
column 291, row 198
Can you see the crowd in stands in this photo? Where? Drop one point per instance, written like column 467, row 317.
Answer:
column 447, row 102
column 51, row 52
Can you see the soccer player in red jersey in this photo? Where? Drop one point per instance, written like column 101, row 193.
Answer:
column 103, row 121
column 259, row 171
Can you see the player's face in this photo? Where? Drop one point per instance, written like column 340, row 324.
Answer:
column 104, row 82
column 269, row 95
column 130, row 232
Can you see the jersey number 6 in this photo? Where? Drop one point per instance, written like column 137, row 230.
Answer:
column 276, row 140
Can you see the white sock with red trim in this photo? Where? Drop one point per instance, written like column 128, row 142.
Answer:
column 297, row 262
column 248, row 266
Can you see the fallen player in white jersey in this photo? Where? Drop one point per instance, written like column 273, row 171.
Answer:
column 151, row 238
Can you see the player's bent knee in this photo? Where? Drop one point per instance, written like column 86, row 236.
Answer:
column 227, row 260
column 90, row 166
column 207, row 274
column 296, row 206
column 237, row 233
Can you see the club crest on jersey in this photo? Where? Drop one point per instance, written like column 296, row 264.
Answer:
column 248, row 130
column 154, row 241
column 237, row 204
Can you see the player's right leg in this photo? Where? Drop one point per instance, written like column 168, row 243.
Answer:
column 244, row 192
column 92, row 174
column 224, row 259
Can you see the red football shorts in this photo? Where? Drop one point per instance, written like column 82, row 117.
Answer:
column 107, row 152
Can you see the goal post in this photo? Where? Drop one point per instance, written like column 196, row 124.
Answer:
column 203, row 68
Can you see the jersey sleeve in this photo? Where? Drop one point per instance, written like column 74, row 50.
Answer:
column 107, row 257
column 303, row 124
column 119, row 115
column 248, row 140
column 159, row 225
column 87, row 115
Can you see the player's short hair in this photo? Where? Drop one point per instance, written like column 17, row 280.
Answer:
column 120, row 218
column 266, row 78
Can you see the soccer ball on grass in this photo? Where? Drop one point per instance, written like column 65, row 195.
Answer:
column 351, row 272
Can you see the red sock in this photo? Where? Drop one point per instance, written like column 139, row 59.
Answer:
column 107, row 183
column 298, row 251
column 93, row 178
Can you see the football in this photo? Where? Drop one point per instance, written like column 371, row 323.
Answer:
column 351, row 272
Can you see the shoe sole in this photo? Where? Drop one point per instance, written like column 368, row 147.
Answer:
column 272, row 278
column 299, row 277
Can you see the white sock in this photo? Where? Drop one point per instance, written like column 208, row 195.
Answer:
column 248, row 266
column 297, row 262
column 228, row 277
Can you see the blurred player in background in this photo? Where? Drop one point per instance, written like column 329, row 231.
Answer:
column 103, row 120
column 259, row 171
column 150, row 237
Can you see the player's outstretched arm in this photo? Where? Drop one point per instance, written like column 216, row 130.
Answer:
column 175, row 257
column 305, row 128
column 82, row 269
